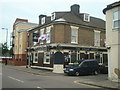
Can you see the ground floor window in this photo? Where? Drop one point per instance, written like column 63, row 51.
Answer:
column 35, row 60
column 91, row 55
column 47, row 58
column 97, row 57
column 73, row 57
column 105, row 59
column 82, row 55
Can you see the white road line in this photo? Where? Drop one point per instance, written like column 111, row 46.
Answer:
column 16, row 79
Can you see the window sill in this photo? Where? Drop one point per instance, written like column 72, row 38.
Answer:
column 35, row 62
column 116, row 29
column 74, row 42
column 46, row 62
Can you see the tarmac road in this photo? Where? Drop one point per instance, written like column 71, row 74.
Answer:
column 17, row 79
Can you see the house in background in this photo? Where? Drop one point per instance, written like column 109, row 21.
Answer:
column 70, row 34
column 19, row 42
column 112, row 13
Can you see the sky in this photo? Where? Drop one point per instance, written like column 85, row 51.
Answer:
column 31, row 9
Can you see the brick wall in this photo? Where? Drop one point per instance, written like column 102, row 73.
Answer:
column 86, row 37
column 11, row 61
column 103, row 37
column 59, row 33
column 67, row 34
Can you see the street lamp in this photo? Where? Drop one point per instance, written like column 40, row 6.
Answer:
column 6, row 34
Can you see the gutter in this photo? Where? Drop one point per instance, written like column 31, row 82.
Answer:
column 113, row 5
column 64, row 22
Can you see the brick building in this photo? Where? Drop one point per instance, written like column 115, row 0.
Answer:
column 69, row 34
column 19, row 42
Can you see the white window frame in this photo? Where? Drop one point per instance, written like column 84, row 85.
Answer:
column 53, row 15
column 43, row 20
column 116, row 19
column 35, row 57
column 46, row 56
column 86, row 17
column 41, row 33
column 96, row 40
column 73, row 28
column 48, row 32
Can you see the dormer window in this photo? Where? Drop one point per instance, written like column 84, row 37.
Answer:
column 86, row 17
column 53, row 16
column 43, row 20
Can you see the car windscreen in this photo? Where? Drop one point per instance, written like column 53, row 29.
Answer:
column 77, row 63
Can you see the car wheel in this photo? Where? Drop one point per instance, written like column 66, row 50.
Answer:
column 95, row 72
column 77, row 73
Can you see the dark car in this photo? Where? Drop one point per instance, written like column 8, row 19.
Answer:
column 82, row 67
column 103, row 69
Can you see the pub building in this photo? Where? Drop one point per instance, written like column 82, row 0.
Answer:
column 65, row 37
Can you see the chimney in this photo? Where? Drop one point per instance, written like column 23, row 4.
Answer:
column 40, row 17
column 21, row 20
column 75, row 9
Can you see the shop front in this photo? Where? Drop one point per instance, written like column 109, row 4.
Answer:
column 55, row 56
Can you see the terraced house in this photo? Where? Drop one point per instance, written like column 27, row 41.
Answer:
column 69, row 34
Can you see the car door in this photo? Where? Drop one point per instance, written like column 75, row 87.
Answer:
column 85, row 68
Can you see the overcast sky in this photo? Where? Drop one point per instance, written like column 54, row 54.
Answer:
column 31, row 9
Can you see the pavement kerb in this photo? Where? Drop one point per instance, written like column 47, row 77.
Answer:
column 98, row 85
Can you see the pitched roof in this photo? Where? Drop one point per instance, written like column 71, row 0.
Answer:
column 94, row 22
column 76, row 18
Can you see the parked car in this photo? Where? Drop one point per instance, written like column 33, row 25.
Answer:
column 103, row 69
column 82, row 67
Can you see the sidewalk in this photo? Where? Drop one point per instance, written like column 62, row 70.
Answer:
column 100, row 80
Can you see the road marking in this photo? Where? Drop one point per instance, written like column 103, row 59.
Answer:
column 16, row 79
column 0, row 73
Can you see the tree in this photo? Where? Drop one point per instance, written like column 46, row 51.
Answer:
column 5, row 50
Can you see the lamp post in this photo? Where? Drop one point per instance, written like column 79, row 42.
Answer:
column 6, row 34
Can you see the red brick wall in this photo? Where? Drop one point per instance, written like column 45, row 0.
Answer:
column 20, row 59
column 23, row 20
column 11, row 61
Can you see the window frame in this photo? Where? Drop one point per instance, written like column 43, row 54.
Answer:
column 116, row 19
column 53, row 15
column 96, row 32
column 46, row 56
column 43, row 20
column 88, row 17
column 42, row 33
column 35, row 57
column 48, row 32
column 73, row 28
